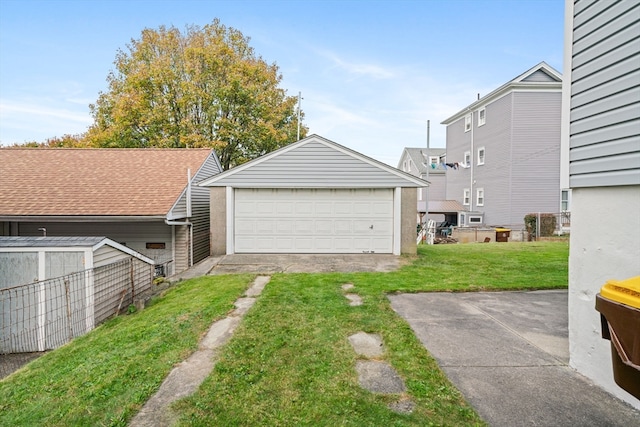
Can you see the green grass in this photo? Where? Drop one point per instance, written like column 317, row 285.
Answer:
column 104, row 377
column 289, row 362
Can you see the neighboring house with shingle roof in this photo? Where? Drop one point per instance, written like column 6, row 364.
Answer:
column 430, row 165
column 145, row 199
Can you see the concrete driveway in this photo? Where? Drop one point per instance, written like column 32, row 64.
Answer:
column 306, row 263
column 508, row 353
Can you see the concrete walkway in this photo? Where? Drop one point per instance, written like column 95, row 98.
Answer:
column 186, row 377
column 508, row 353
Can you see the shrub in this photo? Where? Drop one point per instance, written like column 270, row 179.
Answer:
column 547, row 224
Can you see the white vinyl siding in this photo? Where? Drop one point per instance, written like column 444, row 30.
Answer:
column 604, row 148
column 314, row 220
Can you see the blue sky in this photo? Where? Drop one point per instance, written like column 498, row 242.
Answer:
column 371, row 73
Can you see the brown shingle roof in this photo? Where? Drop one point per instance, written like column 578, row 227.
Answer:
column 68, row 181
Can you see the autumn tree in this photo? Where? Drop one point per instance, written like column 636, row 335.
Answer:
column 204, row 87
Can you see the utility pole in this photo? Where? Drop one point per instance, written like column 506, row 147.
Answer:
column 299, row 105
column 426, row 201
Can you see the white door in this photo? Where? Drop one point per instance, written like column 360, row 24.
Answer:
column 313, row 221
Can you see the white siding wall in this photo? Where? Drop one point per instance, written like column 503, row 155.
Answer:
column 599, row 253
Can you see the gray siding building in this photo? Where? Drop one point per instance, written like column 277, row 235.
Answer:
column 601, row 119
column 505, row 148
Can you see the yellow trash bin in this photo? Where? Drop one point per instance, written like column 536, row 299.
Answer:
column 502, row 234
column 619, row 305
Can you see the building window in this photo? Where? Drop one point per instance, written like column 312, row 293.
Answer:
column 466, row 196
column 467, row 123
column 481, row 156
column 565, row 200
column 482, row 117
column 480, row 197
column 467, row 158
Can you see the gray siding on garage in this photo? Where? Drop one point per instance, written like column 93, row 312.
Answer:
column 605, row 95
column 316, row 165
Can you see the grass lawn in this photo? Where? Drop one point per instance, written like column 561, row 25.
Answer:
column 289, row 362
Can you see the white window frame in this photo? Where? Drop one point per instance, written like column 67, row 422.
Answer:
column 482, row 117
column 433, row 160
column 467, row 123
column 467, row 158
column 481, row 158
column 466, row 197
column 480, row 197
column 564, row 200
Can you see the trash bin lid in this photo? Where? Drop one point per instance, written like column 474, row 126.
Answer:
column 623, row 291
column 501, row 230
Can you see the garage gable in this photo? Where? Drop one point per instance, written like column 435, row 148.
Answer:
column 314, row 162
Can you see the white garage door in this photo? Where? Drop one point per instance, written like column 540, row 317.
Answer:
column 313, row 221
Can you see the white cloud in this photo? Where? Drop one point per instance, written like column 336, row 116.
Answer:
column 7, row 111
column 21, row 122
column 364, row 69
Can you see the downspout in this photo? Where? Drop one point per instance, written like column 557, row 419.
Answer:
column 471, row 164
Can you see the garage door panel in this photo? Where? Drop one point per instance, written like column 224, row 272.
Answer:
column 303, row 244
column 284, row 244
column 304, row 226
column 323, row 227
column 342, row 226
column 381, row 208
column 245, row 226
column 284, row 227
column 324, row 208
column 342, row 208
column 304, row 208
column 285, row 208
column 323, row 244
column 313, row 220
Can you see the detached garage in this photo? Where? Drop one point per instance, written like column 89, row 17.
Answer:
column 314, row 196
